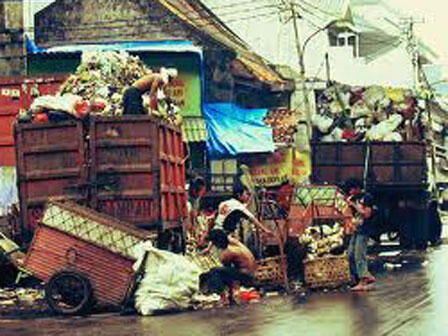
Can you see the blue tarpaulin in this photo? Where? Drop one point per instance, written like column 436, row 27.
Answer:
column 234, row 130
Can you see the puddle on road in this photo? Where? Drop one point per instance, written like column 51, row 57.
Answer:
column 411, row 300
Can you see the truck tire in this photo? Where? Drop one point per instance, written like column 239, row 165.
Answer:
column 69, row 293
column 434, row 224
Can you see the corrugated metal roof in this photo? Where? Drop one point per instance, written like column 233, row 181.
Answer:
column 194, row 129
column 261, row 71
column 197, row 15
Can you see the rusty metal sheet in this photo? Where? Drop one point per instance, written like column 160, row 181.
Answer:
column 137, row 170
column 172, row 176
column 11, row 101
column 389, row 163
column 124, row 168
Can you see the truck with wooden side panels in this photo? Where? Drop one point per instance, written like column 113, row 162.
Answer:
column 129, row 167
column 18, row 93
column 397, row 174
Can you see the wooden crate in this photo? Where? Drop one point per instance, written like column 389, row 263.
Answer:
column 330, row 272
column 269, row 271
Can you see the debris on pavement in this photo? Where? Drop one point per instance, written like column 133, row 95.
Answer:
column 390, row 267
column 21, row 298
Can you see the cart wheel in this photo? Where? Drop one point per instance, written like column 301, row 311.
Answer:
column 69, row 293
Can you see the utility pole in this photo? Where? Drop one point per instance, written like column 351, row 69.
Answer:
column 327, row 68
column 412, row 49
column 304, row 89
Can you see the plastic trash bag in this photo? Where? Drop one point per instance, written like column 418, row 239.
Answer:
column 380, row 131
column 170, row 280
column 374, row 94
column 360, row 109
column 64, row 103
column 323, row 123
column 395, row 94
column 8, row 189
column 394, row 136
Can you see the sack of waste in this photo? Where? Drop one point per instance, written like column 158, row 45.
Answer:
column 171, row 281
column 66, row 103
column 382, row 130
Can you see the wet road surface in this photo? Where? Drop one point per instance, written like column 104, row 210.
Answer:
column 411, row 300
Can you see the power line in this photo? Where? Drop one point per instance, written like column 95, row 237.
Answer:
column 133, row 34
column 319, row 70
column 365, row 40
column 319, row 9
column 236, row 4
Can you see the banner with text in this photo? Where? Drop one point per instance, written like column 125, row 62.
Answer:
column 284, row 165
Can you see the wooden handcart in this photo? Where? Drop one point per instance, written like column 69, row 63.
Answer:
column 84, row 257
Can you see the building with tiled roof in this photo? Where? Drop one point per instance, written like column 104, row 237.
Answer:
column 89, row 21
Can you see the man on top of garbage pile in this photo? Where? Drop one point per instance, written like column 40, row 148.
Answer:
column 239, row 266
column 152, row 83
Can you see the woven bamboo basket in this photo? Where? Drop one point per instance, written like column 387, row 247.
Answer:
column 269, row 271
column 328, row 272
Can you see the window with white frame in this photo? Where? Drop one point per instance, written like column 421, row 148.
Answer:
column 346, row 38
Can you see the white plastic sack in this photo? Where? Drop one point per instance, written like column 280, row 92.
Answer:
column 334, row 136
column 394, row 136
column 374, row 94
column 380, row 131
column 64, row 103
column 8, row 189
column 170, row 280
column 360, row 109
column 323, row 123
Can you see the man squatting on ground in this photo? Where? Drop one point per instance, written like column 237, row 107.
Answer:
column 239, row 266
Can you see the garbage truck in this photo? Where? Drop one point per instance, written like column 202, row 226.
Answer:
column 397, row 174
column 129, row 167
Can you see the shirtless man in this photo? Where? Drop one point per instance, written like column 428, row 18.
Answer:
column 132, row 98
column 239, row 266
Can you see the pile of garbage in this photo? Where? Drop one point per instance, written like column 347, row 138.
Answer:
column 283, row 123
column 374, row 113
column 21, row 298
column 97, row 87
column 324, row 240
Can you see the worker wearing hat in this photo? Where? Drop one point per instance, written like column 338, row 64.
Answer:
column 152, row 83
